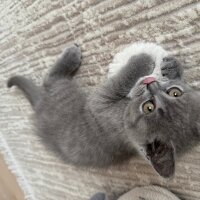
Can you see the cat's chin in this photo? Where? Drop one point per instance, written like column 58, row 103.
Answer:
column 162, row 157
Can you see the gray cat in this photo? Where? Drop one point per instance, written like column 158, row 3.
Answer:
column 156, row 115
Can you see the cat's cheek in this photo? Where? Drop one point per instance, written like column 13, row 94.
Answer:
column 136, row 128
column 138, row 133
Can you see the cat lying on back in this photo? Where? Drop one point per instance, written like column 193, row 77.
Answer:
column 156, row 115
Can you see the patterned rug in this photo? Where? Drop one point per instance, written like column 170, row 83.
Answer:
column 34, row 32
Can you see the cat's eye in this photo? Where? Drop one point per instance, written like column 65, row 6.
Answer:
column 174, row 92
column 148, row 107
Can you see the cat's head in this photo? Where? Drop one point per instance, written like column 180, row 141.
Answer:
column 157, row 120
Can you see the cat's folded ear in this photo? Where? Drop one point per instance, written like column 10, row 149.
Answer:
column 162, row 157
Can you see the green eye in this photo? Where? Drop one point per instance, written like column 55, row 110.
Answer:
column 174, row 92
column 148, row 107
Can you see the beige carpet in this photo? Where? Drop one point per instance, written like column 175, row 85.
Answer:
column 34, row 32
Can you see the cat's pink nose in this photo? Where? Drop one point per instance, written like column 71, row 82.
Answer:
column 149, row 80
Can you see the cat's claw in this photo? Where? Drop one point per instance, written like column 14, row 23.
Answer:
column 171, row 68
column 76, row 44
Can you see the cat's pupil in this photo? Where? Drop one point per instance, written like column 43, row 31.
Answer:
column 175, row 94
column 150, row 108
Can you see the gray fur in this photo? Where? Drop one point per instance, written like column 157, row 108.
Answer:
column 31, row 91
column 99, row 196
column 106, row 127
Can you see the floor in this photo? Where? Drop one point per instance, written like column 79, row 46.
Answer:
column 9, row 189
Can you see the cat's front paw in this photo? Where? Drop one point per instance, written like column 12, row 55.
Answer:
column 171, row 68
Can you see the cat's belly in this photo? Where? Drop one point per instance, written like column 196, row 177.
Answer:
column 74, row 134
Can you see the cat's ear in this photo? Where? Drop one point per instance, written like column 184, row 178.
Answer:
column 162, row 157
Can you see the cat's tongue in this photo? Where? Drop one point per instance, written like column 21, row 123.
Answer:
column 149, row 80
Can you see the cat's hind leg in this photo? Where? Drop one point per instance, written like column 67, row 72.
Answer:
column 68, row 63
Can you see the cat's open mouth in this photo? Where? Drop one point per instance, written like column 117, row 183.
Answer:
column 161, row 156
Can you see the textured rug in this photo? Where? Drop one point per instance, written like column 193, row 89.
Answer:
column 34, row 32
column 150, row 193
